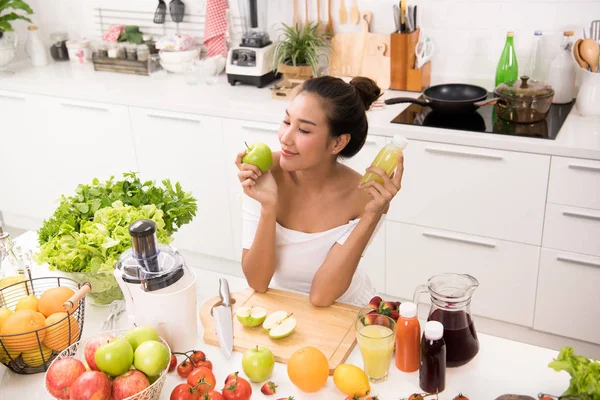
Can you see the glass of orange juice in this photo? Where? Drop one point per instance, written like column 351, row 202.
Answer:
column 375, row 335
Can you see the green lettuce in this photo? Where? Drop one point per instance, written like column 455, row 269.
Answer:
column 585, row 373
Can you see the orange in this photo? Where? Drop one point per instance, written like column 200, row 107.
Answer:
column 57, row 331
column 308, row 369
column 4, row 313
column 52, row 300
column 24, row 324
column 27, row 303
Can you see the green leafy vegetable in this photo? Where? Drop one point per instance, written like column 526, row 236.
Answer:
column 585, row 373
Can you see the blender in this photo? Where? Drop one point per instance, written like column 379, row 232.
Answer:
column 159, row 289
column 251, row 62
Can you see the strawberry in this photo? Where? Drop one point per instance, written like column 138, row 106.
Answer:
column 386, row 307
column 375, row 302
column 231, row 376
column 268, row 388
column 372, row 398
column 286, row 398
column 351, row 397
column 395, row 315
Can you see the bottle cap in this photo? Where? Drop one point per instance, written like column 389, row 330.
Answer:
column 510, row 34
column 408, row 310
column 434, row 330
column 400, row 141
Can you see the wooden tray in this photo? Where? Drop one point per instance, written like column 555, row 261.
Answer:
column 330, row 329
column 121, row 66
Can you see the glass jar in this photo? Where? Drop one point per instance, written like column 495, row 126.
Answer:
column 58, row 50
column 142, row 52
column 122, row 51
column 155, row 69
column 131, row 51
column 149, row 41
column 113, row 51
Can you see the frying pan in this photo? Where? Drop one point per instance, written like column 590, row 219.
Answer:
column 452, row 98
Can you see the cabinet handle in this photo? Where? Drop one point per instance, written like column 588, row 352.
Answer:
column 579, row 261
column 11, row 97
column 371, row 141
column 463, row 153
column 584, row 167
column 258, row 127
column 84, row 106
column 578, row 214
column 457, row 238
column 163, row 116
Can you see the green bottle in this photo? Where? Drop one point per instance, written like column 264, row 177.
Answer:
column 508, row 69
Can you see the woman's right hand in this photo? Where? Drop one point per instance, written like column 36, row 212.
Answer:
column 261, row 186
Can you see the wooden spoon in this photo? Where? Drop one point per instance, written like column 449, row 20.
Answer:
column 329, row 27
column 354, row 14
column 577, row 56
column 343, row 14
column 320, row 26
column 306, row 13
column 296, row 21
column 589, row 51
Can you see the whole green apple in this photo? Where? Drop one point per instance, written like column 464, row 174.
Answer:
column 139, row 335
column 114, row 357
column 259, row 154
column 258, row 364
column 151, row 357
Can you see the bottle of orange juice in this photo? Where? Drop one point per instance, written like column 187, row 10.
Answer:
column 387, row 159
column 408, row 338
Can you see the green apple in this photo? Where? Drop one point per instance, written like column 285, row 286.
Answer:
column 114, row 357
column 280, row 324
column 151, row 357
column 251, row 316
column 139, row 335
column 258, row 364
column 259, row 154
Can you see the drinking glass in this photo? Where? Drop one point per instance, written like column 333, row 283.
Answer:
column 155, row 69
column 209, row 71
column 376, row 336
column 191, row 71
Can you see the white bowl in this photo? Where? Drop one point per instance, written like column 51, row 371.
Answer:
column 175, row 68
column 178, row 57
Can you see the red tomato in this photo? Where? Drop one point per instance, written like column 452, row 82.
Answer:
column 213, row 395
column 202, row 379
column 184, row 391
column 205, row 364
column 173, row 362
column 237, row 389
column 185, row 369
column 197, row 355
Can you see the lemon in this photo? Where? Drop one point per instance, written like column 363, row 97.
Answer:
column 27, row 303
column 33, row 358
column 6, row 357
column 4, row 313
column 351, row 380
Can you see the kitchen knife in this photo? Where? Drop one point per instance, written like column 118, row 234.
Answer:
column 397, row 17
column 223, row 319
column 409, row 23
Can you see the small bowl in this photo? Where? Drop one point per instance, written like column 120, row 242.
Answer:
column 178, row 57
column 176, row 68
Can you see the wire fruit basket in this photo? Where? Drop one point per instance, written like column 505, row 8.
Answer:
column 29, row 351
column 77, row 351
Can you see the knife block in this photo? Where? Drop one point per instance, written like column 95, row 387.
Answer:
column 403, row 74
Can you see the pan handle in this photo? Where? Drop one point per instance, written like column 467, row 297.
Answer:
column 397, row 100
column 486, row 102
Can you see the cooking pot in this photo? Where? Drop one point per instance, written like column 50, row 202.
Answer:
column 523, row 101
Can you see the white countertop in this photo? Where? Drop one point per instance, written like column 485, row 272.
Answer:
column 501, row 367
column 578, row 137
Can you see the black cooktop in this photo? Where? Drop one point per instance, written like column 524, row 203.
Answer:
column 486, row 120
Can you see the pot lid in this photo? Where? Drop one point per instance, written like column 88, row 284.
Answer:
column 525, row 88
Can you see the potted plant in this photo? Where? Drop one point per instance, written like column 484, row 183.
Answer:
column 8, row 39
column 296, row 55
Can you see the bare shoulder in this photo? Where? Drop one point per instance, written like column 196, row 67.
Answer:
column 357, row 198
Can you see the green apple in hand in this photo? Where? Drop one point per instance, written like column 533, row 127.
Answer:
column 140, row 334
column 260, row 155
column 251, row 316
column 151, row 357
column 114, row 357
column 258, row 364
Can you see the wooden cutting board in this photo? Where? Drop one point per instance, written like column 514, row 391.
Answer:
column 345, row 55
column 330, row 329
column 376, row 54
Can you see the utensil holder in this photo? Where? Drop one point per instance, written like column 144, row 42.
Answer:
column 404, row 76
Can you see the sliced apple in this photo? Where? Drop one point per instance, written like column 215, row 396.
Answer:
column 251, row 316
column 280, row 324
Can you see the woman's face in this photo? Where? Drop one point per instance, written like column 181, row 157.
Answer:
column 304, row 134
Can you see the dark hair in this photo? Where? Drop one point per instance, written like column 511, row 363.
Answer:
column 345, row 107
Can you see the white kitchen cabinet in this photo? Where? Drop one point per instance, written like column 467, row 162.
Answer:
column 572, row 229
column 477, row 191
column 507, row 271
column 575, row 182
column 567, row 295
column 188, row 148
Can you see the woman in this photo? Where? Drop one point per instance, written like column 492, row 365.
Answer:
column 307, row 221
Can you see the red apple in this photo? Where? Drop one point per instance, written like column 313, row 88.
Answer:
column 91, row 385
column 128, row 384
column 92, row 346
column 61, row 375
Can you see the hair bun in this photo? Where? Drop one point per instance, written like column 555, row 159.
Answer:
column 367, row 90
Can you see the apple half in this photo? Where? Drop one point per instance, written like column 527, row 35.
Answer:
column 280, row 324
column 251, row 316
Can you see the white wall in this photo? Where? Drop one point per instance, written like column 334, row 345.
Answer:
column 468, row 34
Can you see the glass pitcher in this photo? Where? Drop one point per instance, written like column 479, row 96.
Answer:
column 451, row 305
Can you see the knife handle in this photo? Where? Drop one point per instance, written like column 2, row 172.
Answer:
column 224, row 292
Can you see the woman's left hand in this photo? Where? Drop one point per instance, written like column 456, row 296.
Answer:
column 383, row 194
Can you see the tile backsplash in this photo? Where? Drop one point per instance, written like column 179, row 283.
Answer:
column 468, row 34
